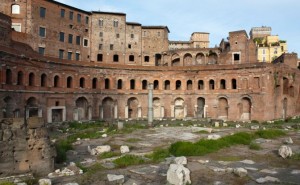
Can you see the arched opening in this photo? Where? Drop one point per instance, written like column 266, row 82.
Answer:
column 144, row 84
column 8, row 77
column 20, row 79
column 245, row 83
column 43, row 80
column 223, row 84
column 200, row 59
column 212, row 58
column 167, row 85
column 200, row 108
column 116, row 58
column 31, row 79
column 233, row 84
column 156, row 108
column 245, row 109
column 120, row 84
column 56, row 81
column 178, row 85
column 15, row 9
column 95, row 83
column 156, row 85
column 200, row 85
column 82, row 82
column 223, row 109
column 82, row 107
column 131, row 58
column 32, row 107
column 133, row 104
column 188, row 59
column 69, row 82
column 179, row 108
column 108, row 109
column 285, row 86
column 175, row 60
column 211, row 84
column 9, row 108
column 284, row 108
column 189, row 85
column 158, row 60
column 132, row 84
column 107, row 83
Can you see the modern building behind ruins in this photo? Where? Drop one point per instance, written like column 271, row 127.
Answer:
column 62, row 63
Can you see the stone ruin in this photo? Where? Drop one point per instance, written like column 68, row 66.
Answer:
column 25, row 147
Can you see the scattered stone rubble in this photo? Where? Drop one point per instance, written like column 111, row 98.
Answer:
column 117, row 179
column 99, row 150
column 71, row 170
column 177, row 173
column 285, row 151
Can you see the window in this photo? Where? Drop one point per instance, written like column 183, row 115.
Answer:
column 101, row 34
column 16, row 27
column 61, row 54
column 62, row 37
column 167, row 85
column 116, row 58
column 132, row 36
column 8, row 77
column 43, row 80
column 62, row 13
column 85, row 42
column 86, row 20
column 129, row 46
column 120, row 84
column 116, row 23
column 77, row 56
column 82, row 83
column 158, row 34
column 178, row 85
column 189, row 85
column 20, row 78
column 236, row 57
column 131, row 58
column 42, row 50
column 223, row 84
column 100, row 46
column 78, row 18
column 156, row 85
column 101, row 22
column 42, row 32
column 132, row 84
column 117, row 35
column 275, row 51
column 211, row 84
column 56, row 81
column 200, row 85
column 31, row 80
column 146, row 59
column 145, row 34
column 42, row 12
column 70, row 39
column 71, row 15
column 15, row 9
column 111, row 47
column 70, row 55
column 107, row 84
column 69, row 82
column 233, row 84
column 78, row 38
column 144, row 84
column 100, row 57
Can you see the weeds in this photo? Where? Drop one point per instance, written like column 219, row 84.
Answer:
column 254, row 146
column 158, row 155
column 6, row 183
column 133, row 140
column 270, row 134
column 61, row 148
column 296, row 157
column 106, row 155
column 128, row 160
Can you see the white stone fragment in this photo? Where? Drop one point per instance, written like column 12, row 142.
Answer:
column 45, row 182
column 118, row 179
column 124, row 149
column 254, row 127
column 247, row 161
column 104, row 135
column 178, row 175
column 241, row 172
column 295, row 172
column 180, row 160
column 268, row 171
column 213, row 137
column 288, row 141
column 100, row 149
column 263, row 180
column 285, row 151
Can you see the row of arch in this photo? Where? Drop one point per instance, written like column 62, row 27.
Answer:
column 199, row 59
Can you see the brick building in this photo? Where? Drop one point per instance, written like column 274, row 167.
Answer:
column 62, row 63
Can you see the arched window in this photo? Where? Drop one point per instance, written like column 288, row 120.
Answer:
column 156, row 85
column 107, row 84
column 211, row 84
column 43, row 80
column 167, row 85
column 31, row 79
column 82, row 82
column 69, row 82
column 233, row 84
column 200, row 85
column 178, row 85
column 144, row 84
column 15, row 9
column 8, row 77
column 95, row 82
column 222, row 84
column 132, row 84
column 56, row 81
column 116, row 23
column 20, row 80
column 120, row 84
column 189, row 85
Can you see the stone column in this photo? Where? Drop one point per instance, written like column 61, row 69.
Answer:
column 150, row 104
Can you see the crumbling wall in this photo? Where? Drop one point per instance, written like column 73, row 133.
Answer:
column 25, row 147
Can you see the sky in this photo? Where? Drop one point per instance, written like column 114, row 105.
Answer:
column 217, row 17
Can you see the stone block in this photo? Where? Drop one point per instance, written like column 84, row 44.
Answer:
column 35, row 122
column 124, row 149
column 18, row 123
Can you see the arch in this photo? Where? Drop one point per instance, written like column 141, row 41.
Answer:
column 178, row 85
column 156, row 108
column 223, row 84
column 15, row 9
column 175, row 60
column 179, row 108
column 156, row 85
column 32, row 107
column 43, row 80
column 188, row 59
column 9, row 107
column 120, row 84
column 133, row 104
column 212, row 58
column 200, row 108
column 200, row 84
column 189, row 85
column 285, row 85
column 132, row 84
column 31, row 79
column 82, row 82
column 8, row 77
column 20, row 78
column 69, row 82
column 56, row 81
column 108, row 105
column 211, row 84
column 95, row 83
column 245, row 109
column 144, row 84
column 167, row 85
column 200, row 58
column 107, row 83
column 83, row 109
column 233, row 84
column 158, row 59
column 223, row 108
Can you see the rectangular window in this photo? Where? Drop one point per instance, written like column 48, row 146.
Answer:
column 111, row 47
column 42, row 32
column 78, row 40
column 42, row 12
column 16, row 27
column 101, row 22
column 132, row 36
column 86, row 20
column 99, row 57
column 79, row 18
column 42, row 50
column 77, row 56
column 101, row 34
column 71, row 15
column 129, row 46
column 70, row 40
column 62, row 13
column 70, row 55
column 116, row 23
column 147, row 59
column 61, row 54
column 62, row 37
column 117, row 35
column 100, row 46
column 85, row 42
column 145, row 34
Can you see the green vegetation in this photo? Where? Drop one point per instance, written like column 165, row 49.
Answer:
column 296, row 156
column 158, row 155
column 203, row 132
column 254, row 146
column 6, row 183
column 83, row 126
column 128, row 160
column 61, row 148
column 106, row 155
column 204, row 146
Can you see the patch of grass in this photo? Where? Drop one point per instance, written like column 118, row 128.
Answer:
column 202, row 132
column 31, row 181
column 296, row 156
column 83, row 126
column 128, row 160
column 254, row 146
column 6, row 183
column 158, row 155
column 270, row 134
column 61, row 148
column 133, row 140
column 106, row 155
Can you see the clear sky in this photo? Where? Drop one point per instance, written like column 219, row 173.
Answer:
column 218, row 17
